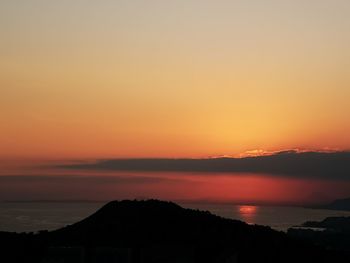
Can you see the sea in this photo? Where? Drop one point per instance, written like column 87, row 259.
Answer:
column 36, row 216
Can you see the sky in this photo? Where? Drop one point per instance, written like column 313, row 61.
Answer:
column 256, row 183
column 92, row 79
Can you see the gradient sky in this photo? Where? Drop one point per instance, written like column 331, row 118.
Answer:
column 92, row 79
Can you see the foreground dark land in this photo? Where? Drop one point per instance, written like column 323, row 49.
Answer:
column 156, row 231
column 335, row 233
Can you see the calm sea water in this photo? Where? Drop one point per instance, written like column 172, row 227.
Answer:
column 23, row 217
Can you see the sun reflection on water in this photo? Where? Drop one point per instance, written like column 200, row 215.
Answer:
column 248, row 213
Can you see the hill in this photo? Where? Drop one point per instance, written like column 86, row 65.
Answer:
column 339, row 204
column 334, row 224
column 157, row 231
column 333, row 233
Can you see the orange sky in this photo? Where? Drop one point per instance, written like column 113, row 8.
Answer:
column 84, row 79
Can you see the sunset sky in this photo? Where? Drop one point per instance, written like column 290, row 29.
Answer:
column 85, row 80
column 98, row 79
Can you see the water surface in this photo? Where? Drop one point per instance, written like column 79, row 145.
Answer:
column 34, row 216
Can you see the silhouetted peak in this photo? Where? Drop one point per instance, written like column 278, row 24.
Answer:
column 152, row 216
column 138, row 205
column 133, row 210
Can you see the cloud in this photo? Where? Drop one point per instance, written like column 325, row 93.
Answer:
column 324, row 165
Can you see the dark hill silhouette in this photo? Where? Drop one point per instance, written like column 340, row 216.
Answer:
column 148, row 221
column 335, row 233
column 339, row 204
column 156, row 231
column 338, row 224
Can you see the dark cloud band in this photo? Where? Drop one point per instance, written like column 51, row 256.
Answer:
column 326, row 165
